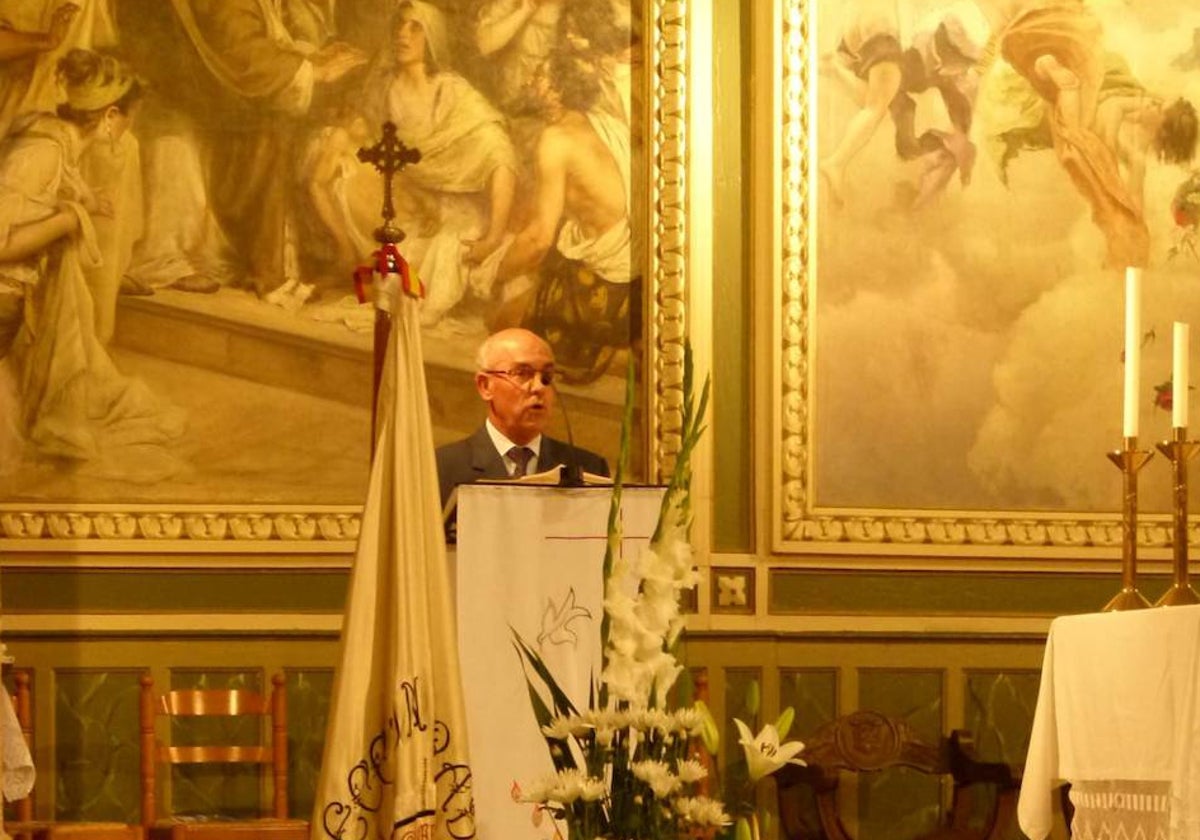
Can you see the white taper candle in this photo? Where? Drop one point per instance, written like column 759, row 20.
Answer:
column 1133, row 347
column 1179, row 376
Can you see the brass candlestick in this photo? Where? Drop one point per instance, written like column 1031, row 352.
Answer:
column 1180, row 450
column 1130, row 459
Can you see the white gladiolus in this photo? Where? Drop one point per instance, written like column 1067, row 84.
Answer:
column 634, row 751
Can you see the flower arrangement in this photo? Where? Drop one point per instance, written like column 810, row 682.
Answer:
column 625, row 765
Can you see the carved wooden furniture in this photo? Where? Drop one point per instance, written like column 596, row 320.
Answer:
column 272, row 756
column 869, row 742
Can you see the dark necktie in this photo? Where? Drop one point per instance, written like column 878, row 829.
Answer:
column 521, row 456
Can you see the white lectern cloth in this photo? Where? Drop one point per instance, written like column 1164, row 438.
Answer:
column 530, row 560
column 1117, row 717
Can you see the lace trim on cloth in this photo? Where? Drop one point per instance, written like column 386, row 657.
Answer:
column 1117, row 809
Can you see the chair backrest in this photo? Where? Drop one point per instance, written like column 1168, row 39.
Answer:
column 869, row 742
column 210, row 703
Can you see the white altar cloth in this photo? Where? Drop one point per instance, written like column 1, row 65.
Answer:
column 1117, row 717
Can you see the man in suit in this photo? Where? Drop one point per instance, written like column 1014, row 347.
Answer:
column 515, row 377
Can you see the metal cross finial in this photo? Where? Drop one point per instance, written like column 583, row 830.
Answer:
column 389, row 156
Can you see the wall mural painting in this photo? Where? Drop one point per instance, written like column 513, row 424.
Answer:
column 984, row 171
column 183, row 209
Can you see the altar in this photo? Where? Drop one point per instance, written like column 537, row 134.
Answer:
column 1117, row 718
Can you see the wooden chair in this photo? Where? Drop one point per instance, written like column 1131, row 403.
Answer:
column 868, row 742
column 233, row 702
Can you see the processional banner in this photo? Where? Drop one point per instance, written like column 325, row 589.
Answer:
column 395, row 762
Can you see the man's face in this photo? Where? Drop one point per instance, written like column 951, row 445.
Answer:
column 519, row 410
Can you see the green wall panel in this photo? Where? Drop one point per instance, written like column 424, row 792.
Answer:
column 999, row 713
column 812, row 695
column 309, row 693
column 96, row 749
column 152, row 590
column 796, row 591
column 742, row 701
column 900, row 804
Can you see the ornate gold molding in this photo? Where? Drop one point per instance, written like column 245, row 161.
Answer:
column 202, row 523
column 794, row 276
column 666, row 237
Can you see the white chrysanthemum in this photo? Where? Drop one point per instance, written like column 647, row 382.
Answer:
column 567, row 786
column 561, row 727
column 688, row 720
column 654, row 719
column 658, row 776
column 592, row 789
column 690, row 770
column 605, row 723
column 701, row 811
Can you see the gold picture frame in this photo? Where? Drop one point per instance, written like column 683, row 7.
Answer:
column 808, row 527
column 110, row 531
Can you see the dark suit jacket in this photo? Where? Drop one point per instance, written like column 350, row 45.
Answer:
column 475, row 458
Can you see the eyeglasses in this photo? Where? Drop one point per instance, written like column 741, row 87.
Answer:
column 522, row 375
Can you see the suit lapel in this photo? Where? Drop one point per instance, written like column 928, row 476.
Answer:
column 485, row 460
column 553, row 453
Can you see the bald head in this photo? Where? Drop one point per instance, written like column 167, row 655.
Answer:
column 512, row 367
column 507, row 342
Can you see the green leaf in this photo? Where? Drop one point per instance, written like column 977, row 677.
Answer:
column 710, row 736
column 784, row 724
column 613, row 544
column 753, row 698
column 562, row 703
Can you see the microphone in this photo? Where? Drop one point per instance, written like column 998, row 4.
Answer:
column 571, row 474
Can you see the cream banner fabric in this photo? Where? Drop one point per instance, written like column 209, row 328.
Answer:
column 529, row 562
column 395, row 763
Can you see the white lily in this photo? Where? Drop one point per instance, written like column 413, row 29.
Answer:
column 764, row 753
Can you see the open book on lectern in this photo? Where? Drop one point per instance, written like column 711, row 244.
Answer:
column 549, row 478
